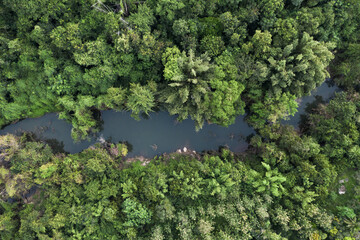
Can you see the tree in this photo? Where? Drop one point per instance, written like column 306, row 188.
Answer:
column 224, row 102
column 270, row 182
column 143, row 18
column 167, row 8
column 140, row 99
column 299, row 67
column 188, row 78
column 136, row 214
column 80, row 114
column 261, row 42
column 347, row 71
column 271, row 109
column 285, row 31
column 212, row 45
column 114, row 99
column 335, row 126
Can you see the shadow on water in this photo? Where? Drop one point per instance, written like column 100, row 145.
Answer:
column 322, row 94
column 159, row 133
column 156, row 134
column 56, row 146
column 310, row 107
column 144, row 116
column 129, row 146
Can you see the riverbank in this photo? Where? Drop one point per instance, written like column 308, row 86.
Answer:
column 159, row 133
column 101, row 184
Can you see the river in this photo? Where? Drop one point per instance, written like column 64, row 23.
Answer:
column 158, row 134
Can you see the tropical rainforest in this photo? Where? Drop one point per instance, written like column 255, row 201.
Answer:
column 208, row 60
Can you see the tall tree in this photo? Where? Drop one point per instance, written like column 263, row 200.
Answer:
column 188, row 78
column 140, row 99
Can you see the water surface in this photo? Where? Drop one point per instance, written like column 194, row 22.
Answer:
column 158, row 134
column 325, row 91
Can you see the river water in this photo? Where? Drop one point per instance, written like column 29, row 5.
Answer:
column 325, row 92
column 158, row 134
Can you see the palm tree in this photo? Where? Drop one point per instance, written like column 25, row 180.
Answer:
column 270, row 182
column 188, row 86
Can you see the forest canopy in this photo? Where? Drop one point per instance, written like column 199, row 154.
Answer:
column 285, row 186
column 208, row 60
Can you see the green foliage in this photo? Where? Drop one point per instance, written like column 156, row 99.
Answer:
column 167, row 8
column 80, row 114
column 143, row 18
column 189, row 83
column 299, row 67
column 122, row 148
column 74, row 59
column 136, row 214
column 210, row 26
column 212, row 45
column 202, row 90
column 336, row 127
column 114, row 99
column 286, row 31
column 271, row 109
column 347, row 71
column 86, row 195
column 270, row 182
column 346, row 212
column 261, row 42
column 54, row 51
column 8, row 224
column 140, row 99
column 225, row 101
column 296, row 2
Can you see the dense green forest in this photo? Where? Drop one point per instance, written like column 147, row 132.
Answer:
column 285, row 186
column 208, row 60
